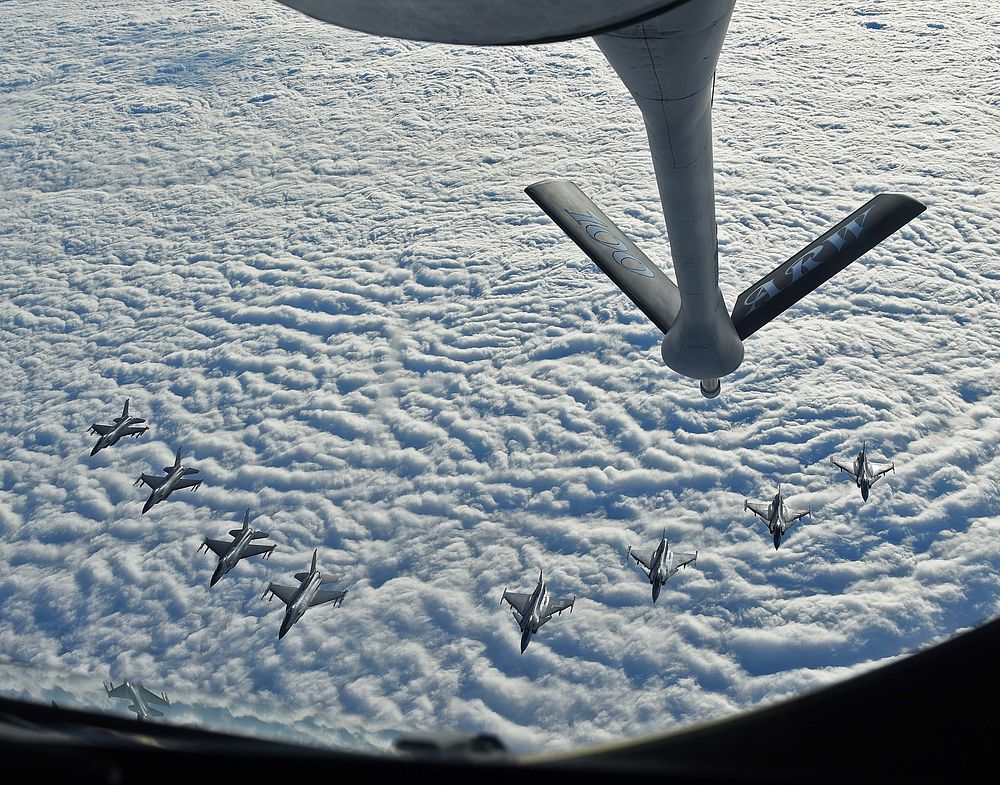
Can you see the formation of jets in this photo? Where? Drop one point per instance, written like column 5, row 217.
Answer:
column 161, row 487
column 242, row 546
column 530, row 610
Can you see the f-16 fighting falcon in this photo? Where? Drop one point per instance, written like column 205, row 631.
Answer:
column 307, row 594
column 861, row 471
column 126, row 425
column 663, row 563
column 531, row 611
column 665, row 52
column 143, row 701
column 241, row 547
column 164, row 486
column 778, row 518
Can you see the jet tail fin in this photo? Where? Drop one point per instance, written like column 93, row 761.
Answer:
column 125, row 409
column 629, row 268
column 819, row 261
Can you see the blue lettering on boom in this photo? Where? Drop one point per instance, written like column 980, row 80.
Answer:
column 804, row 264
column 620, row 253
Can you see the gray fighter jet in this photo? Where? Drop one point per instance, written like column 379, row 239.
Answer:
column 304, row 596
column 241, row 547
column 174, row 480
column 126, row 425
column 778, row 518
column 663, row 563
column 861, row 471
column 531, row 611
column 143, row 701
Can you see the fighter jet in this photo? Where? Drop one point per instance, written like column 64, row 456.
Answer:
column 143, row 700
column 307, row 594
column 531, row 611
column 164, row 486
column 667, row 61
column 126, row 425
column 230, row 553
column 662, row 564
column 861, row 471
column 778, row 518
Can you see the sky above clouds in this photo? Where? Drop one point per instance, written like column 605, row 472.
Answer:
column 306, row 256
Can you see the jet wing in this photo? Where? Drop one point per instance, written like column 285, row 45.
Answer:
column 762, row 510
column 324, row 595
column 151, row 481
column 795, row 516
column 641, row 561
column 221, row 547
column 882, row 472
column 283, row 593
column 152, row 698
column 135, row 430
column 684, row 559
column 101, row 430
column 517, row 601
column 845, row 467
column 558, row 605
column 187, row 484
column 256, row 550
column 121, row 691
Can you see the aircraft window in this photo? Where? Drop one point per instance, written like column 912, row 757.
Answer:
column 305, row 258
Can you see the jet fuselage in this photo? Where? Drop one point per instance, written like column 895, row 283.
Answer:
column 163, row 491
column 137, row 695
column 530, row 620
column 660, row 564
column 300, row 601
column 233, row 555
column 776, row 519
column 863, row 472
column 111, row 437
column 139, row 705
